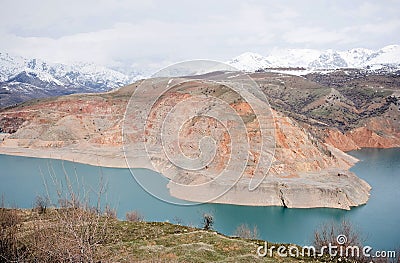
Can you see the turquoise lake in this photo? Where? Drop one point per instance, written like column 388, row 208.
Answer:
column 22, row 179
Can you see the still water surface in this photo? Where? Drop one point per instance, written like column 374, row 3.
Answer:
column 22, row 179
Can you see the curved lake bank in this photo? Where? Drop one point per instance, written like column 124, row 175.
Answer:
column 22, row 179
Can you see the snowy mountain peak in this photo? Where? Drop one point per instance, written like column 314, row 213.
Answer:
column 293, row 57
column 251, row 55
column 78, row 75
column 22, row 79
column 317, row 59
column 390, row 48
column 386, row 55
column 356, row 57
column 249, row 62
column 329, row 59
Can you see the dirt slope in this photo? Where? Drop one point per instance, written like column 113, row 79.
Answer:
column 311, row 124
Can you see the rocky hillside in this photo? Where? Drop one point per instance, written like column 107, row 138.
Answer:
column 312, row 122
column 348, row 109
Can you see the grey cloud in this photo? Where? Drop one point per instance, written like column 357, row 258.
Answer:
column 143, row 33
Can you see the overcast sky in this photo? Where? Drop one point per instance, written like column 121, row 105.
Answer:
column 155, row 33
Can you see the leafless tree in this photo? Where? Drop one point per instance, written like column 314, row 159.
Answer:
column 208, row 221
column 343, row 235
column 134, row 216
column 244, row 231
column 72, row 229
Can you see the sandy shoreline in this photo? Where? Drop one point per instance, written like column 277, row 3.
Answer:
column 113, row 158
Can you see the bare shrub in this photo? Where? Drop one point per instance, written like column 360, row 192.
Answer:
column 177, row 220
column 73, row 229
column 110, row 212
column 134, row 216
column 208, row 221
column 244, row 231
column 330, row 233
column 72, row 235
column 11, row 249
column 41, row 204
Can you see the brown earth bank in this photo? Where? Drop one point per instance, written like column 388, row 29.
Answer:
column 377, row 133
column 304, row 164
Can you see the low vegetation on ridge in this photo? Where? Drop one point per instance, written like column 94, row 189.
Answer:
column 77, row 234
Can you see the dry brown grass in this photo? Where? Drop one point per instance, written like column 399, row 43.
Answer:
column 11, row 249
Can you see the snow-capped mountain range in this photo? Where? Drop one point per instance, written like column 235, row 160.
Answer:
column 78, row 75
column 316, row 59
column 22, row 79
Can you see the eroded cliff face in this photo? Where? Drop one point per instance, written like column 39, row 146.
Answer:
column 376, row 132
column 305, row 173
column 83, row 128
column 304, row 170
